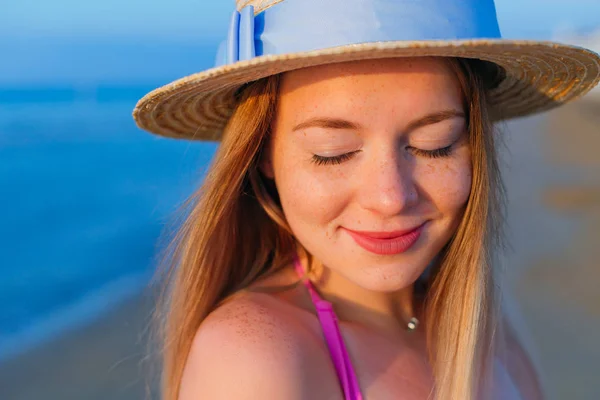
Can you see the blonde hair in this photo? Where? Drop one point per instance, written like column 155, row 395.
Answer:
column 234, row 211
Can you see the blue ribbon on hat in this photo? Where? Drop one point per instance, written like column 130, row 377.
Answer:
column 240, row 41
column 292, row 26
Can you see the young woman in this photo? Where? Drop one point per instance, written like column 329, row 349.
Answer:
column 342, row 243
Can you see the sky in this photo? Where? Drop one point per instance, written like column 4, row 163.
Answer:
column 124, row 40
column 185, row 19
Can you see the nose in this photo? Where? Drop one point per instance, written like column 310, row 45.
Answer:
column 388, row 185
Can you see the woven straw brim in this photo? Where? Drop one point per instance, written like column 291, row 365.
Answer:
column 539, row 76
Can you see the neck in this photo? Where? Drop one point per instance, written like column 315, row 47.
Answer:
column 388, row 312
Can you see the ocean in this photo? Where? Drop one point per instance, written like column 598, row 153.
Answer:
column 84, row 197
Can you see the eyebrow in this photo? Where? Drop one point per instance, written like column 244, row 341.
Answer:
column 338, row 123
column 330, row 123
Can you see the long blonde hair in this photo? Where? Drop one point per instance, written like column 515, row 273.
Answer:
column 234, row 232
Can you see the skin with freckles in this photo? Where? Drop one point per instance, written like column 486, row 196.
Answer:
column 376, row 145
column 371, row 146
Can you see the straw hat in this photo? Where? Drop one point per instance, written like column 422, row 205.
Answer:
column 267, row 37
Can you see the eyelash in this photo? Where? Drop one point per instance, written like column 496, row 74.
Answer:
column 437, row 153
column 320, row 160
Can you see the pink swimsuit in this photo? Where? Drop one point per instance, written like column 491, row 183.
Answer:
column 335, row 342
column 341, row 360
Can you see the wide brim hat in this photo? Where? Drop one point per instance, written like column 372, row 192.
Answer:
column 268, row 37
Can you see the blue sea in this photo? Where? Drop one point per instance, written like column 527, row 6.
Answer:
column 84, row 196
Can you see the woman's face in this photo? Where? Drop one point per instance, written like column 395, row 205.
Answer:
column 372, row 165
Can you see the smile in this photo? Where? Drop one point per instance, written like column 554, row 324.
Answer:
column 386, row 243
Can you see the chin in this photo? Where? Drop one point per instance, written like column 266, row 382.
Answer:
column 388, row 273
column 389, row 278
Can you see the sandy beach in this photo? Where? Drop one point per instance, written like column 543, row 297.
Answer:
column 554, row 223
column 553, row 180
column 106, row 360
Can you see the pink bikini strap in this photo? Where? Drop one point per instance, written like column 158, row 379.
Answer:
column 333, row 338
column 316, row 299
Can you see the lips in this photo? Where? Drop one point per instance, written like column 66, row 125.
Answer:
column 386, row 243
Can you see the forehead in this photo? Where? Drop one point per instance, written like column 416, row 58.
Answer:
column 401, row 86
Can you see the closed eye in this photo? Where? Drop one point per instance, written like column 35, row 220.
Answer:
column 437, row 153
column 321, row 160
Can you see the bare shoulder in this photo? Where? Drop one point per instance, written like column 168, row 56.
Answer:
column 520, row 368
column 251, row 347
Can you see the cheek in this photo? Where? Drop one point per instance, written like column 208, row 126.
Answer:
column 309, row 200
column 446, row 183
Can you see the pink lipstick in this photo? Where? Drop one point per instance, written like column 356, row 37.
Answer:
column 386, row 243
